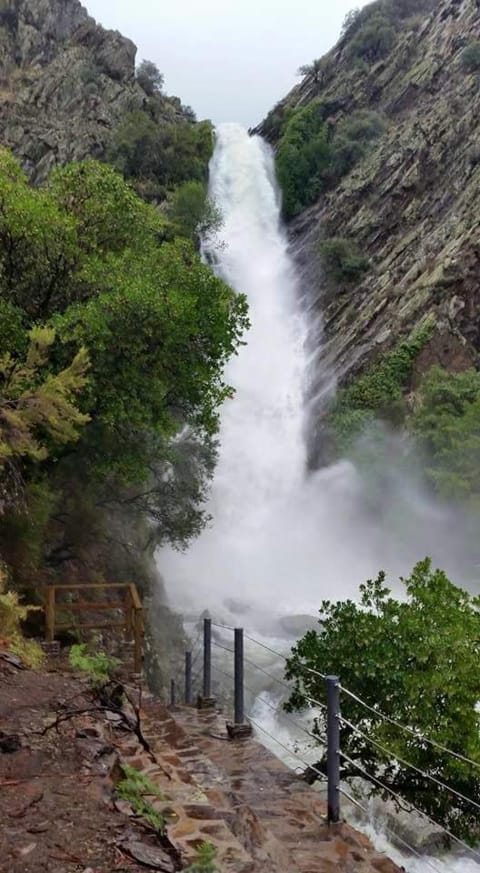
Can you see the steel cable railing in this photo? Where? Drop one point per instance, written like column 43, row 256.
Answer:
column 333, row 720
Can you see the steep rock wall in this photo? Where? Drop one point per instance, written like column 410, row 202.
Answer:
column 412, row 205
column 65, row 82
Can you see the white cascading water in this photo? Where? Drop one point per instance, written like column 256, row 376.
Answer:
column 280, row 540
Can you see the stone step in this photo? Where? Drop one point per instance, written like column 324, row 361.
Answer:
column 259, row 815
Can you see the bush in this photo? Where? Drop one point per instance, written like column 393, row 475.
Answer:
column 97, row 667
column 309, row 159
column 374, row 40
column 193, row 212
column 413, row 658
column 12, row 614
column 447, row 426
column 342, row 260
column 470, row 57
column 353, row 137
column 378, row 393
column 150, row 78
column 304, row 158
column 167, row 154
column 134, row 788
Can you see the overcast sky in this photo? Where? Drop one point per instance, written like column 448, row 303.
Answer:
column 231, row 60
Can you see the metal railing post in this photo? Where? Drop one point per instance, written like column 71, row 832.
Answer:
column 333, row 748
column 205, row 700
column 172, row 692
column 240, row 729
column 239, row 715
column 207, row 658
column 188, row 678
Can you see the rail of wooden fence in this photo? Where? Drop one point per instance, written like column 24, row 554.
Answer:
column 131, row 605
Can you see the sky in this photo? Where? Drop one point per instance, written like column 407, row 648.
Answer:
column 231, row 60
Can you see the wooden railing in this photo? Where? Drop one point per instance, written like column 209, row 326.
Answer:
column 131, row 606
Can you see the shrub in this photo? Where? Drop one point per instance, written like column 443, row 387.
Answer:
column 150, row 78
column 204, row 861
column 353, row 137
column 447, row 426
column 168, row 154
column 342, row 260
column 193, row 212
column 135, row 788
column 98, row 666
column 379, row 392
column 12, row 614
column 374, row 40
column 304, row 158
column 470, row 57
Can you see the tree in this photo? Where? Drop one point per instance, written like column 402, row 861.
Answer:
column 37, row 405
column 303, row 158
column 415, row 661
column 93, row 277
column 150, row 78
column 193, row 212
column 315, row 70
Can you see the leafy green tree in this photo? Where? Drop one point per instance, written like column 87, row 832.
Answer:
column 150, row 78
column 374, row 40
column 446, row 424
column 88, row 265
column 303, row 158
column 193, row 212
column 165, row 154
column 414, row 660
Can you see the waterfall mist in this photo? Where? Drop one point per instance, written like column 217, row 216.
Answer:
column 282, row 539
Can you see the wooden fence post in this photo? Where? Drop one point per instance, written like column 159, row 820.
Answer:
column 50, row 614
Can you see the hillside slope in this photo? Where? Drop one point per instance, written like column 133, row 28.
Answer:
column 411, row 205
column 66, row 83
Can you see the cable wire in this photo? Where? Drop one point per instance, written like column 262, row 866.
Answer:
column 392, row 833
column 292, row 754
column 414, row 733
column 402, row 800
column 408, row 764
column 288, row 717
column 222, row 626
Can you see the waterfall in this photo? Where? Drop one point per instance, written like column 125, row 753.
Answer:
column 281, row 539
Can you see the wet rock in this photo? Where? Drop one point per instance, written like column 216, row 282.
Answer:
column 150, row 856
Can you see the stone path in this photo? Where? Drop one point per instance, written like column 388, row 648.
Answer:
column 257, row 813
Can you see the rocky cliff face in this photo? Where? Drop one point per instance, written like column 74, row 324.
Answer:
column 65, row 83
column 412, row 204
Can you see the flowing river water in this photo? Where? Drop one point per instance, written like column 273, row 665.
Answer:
column 281, row 539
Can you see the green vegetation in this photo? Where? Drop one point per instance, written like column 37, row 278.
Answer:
column 150, row 78
column 446, row 424
column 113, row 341
column 12, row 615
column 135, row 788
column 353, row 138
column 158, row 157
column 342, row 261
column 204, row 861
column 374, row 39
column 470, row 57
column 303, row 158
column 378, row 393
column 97, row 666
column 416, row 661
column 193, row 212
column 311, row 157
